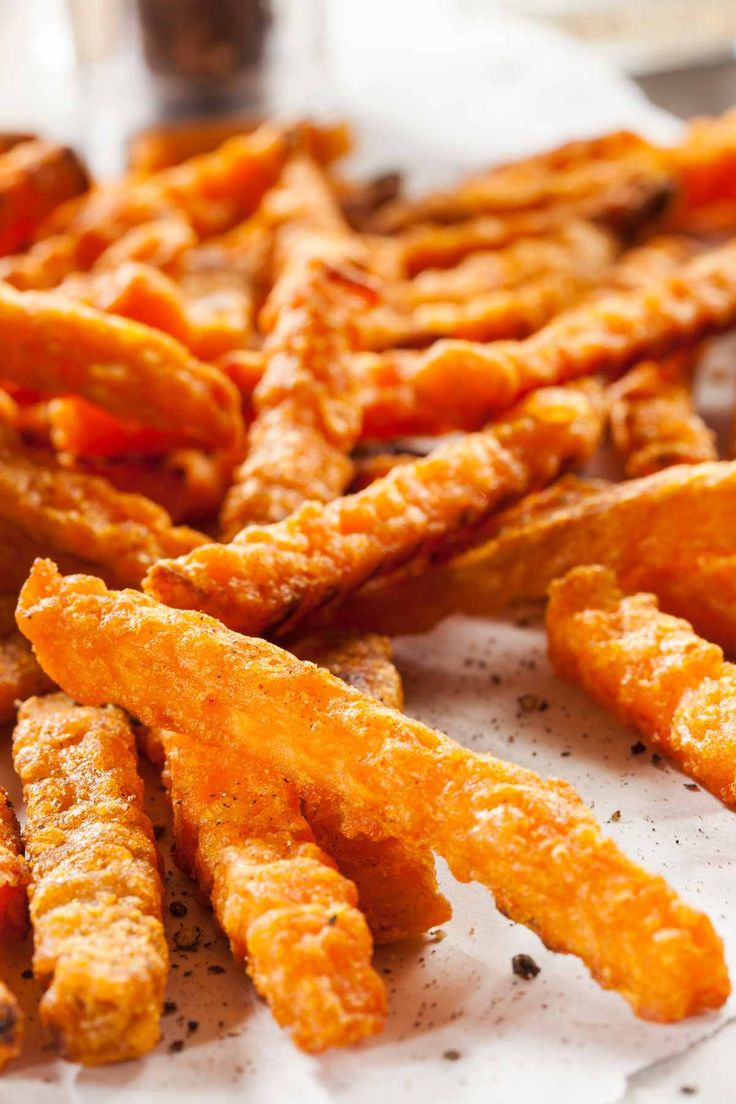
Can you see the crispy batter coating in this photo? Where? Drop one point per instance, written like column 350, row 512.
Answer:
column 20, row 674
column 673, row 533
column 367, row 469
column 532, row 842
column 35, row 176
column 271, row 577
column 96, row 893
column 84, row 516
column 653, row 420
column 160, row 242
column 11, row 1026
column 651, row 670
column 13, row 921
column 278, row 897
column 571, row 247
column 469, row 381
column 79, row 428
column 362, row 660
column 57, row 346
column 307, row 406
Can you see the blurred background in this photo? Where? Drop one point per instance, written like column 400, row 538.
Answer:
column 428, row 81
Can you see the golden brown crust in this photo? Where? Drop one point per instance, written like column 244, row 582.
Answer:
column 20, row 674
column 651, row 670
column 271, row 577
column 35, row 177
column 532, row 842
column 11, row 1026
column 96, row 894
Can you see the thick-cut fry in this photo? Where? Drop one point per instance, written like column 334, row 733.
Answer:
column 118, row 534
column 653, row 419
column 35, row 177
column 57, row 347
column 79, row 428
column 269, row 578
column 13, row 921
column 469, row 381
column 533, row 843
column 20, row 674
column 277, row 896
column 651, row 670
column 307, row 406
column 673, row 533
column 96, row 893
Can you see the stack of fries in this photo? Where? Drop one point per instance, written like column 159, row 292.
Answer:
column 366, row 404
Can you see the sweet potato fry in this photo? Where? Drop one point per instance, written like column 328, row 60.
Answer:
column 673, row 533
column 79, row 428
column 653, row 419
column 20, row 674
column 362, row 660
column 160, row 242
column 277, row 896
column 13, row 921
column 533, row 843
column 270, row 577
column 651, row 670
column 118, row 534
column 469, row 381
column 96, row 894
column 131, row 370
column 307, row 405
column 42, row 266
column 35, row 177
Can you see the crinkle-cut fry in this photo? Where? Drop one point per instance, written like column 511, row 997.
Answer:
column 673, row 533
column 61, row 347
column 574, row 172
column 651, row 670
column 570, row 248
column 270, row 577
column 96, row 893
column 189, row 485
column 161, row 146
column 532, row 842
column 282, row 904
column 468, row 381
column 653, row 420
column 13, row 920
column 20, row 677
column 307, row 405
column 84, row 516
column 35, row 177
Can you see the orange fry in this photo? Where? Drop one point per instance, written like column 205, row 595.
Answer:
column 58, row 347
column 270, row 577
column 80, row 428
column 651, row 670
column 653, row 419
column 277, row 896
column 96, row 894
column 20, row 675
column 13, row 921
column 532, row 842
column 469, row 381
column 54, row 509
column 35, row 177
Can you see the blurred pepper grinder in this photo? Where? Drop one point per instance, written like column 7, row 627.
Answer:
column 206, row 55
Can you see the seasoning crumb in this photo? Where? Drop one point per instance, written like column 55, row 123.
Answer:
column 638, row 748
column 692, row 786
column 27, row 975
column 176, row 1047
column 451, row 1055
column 436, row 935
column 169, row 1007
column 524, row 966
column 158, row 831
column 688, row 1090
column 531, row 703
column 215, row 969
column 178, row 908
column 192, row 1026
column 615, row 816
column 187, row 937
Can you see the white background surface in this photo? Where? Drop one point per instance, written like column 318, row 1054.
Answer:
column 439, row 94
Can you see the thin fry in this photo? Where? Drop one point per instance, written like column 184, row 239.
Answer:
column 271, row 577
column 96, row 894
column 651, row 670
column 35, row 177
column 13, row 921
column 533, row 843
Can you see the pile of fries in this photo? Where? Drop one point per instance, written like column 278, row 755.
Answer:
column 278, row 404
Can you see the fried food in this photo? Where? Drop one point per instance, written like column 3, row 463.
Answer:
column 362, row 660
column 20, row 674
column 79, row 428
column 673, row 533
column 35, row 177
column 119, row 535
column 57, row 347
column 307, row 406
column 653, row 419
column 96, row 893
column 467, row 381
column 651, row 670
column 533, row 843
column 13, row 920
column 277, row 896
column 270, row 577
